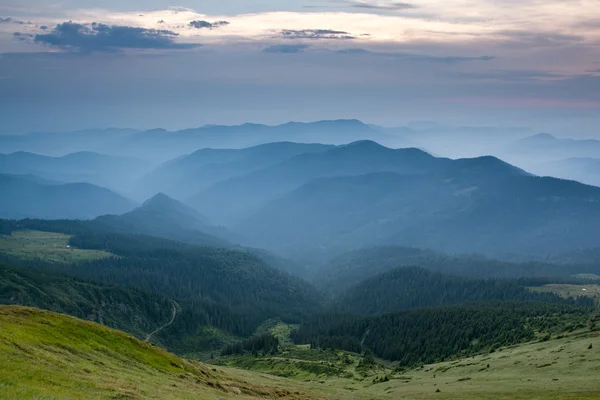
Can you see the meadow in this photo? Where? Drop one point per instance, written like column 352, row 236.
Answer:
column 46, row 246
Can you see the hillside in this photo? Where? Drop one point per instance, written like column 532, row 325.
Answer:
column 229, row 291
column 165, row 217
column 352, row 267
column 236, row 198
column 126, row 310
column 412, row 287
column 79, row 359
column 98, row 362
column 26, row 196
column 431, row 335
column 485, row 207
column 188, row 175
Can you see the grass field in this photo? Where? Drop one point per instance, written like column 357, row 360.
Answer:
column 589, row 290
column 46, row 246
column 51, row 356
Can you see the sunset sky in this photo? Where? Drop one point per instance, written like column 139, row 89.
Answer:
column 77, row 64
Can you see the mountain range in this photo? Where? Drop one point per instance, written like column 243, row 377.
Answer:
column 115, row 173
column 28, row 196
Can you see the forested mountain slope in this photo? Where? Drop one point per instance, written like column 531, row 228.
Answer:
column 352, row 267
column 412, row 287
column 127, row 310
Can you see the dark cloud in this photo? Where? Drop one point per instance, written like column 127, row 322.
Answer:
column 104, row 38
column 23, row 37
column 208, row 25
column 315, row 34
column 286, row 48
column 12, row 20
column 418, row 57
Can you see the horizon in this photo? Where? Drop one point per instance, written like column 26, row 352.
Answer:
column 436, row 125
column 75, row 65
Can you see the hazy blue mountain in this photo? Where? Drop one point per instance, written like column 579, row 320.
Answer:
column 165, row 217
column 116, row 173
column 28, row 196
column 458, row 141
column 239, row 197
column 582, row 169
column 162, row 145
column 56, row 144
column 544, row 147
column 187, row 175
column 472, row 205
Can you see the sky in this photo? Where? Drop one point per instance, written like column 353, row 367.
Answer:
column 77, row 64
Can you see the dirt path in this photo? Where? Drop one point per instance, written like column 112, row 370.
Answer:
column 164, row 326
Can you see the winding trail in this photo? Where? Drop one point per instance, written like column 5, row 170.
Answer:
column 164, row 326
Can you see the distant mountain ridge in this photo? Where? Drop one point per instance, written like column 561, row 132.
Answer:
column 160, row 144
column 28, row 196
column 189, row 174
column 365, row 194
column 115, row 173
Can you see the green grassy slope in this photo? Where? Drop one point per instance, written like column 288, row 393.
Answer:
column 44, row 355
column 564, row 367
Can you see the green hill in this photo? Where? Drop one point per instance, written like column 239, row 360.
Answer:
column 44, row 355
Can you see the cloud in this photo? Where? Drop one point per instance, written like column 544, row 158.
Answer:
column 6, row 20
column 512, row 75
column 414, row 56
column 23, row 37
column 540, row 39
column 286, row 48
column 380, row 5
column 208, row 25
column 315, row 34
column 97, row 37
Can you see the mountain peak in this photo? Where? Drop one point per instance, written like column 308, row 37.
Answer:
column 365, row 144
column 159, row 198
column 162, row 206
column 541, row 136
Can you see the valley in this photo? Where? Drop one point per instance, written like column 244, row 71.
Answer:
column 295, row 270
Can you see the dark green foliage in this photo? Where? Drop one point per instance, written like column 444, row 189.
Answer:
column 429, row 335
column 264, row 344
column 353, row 267
column 412, row 287
column 231, row 290
column 134, row 312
